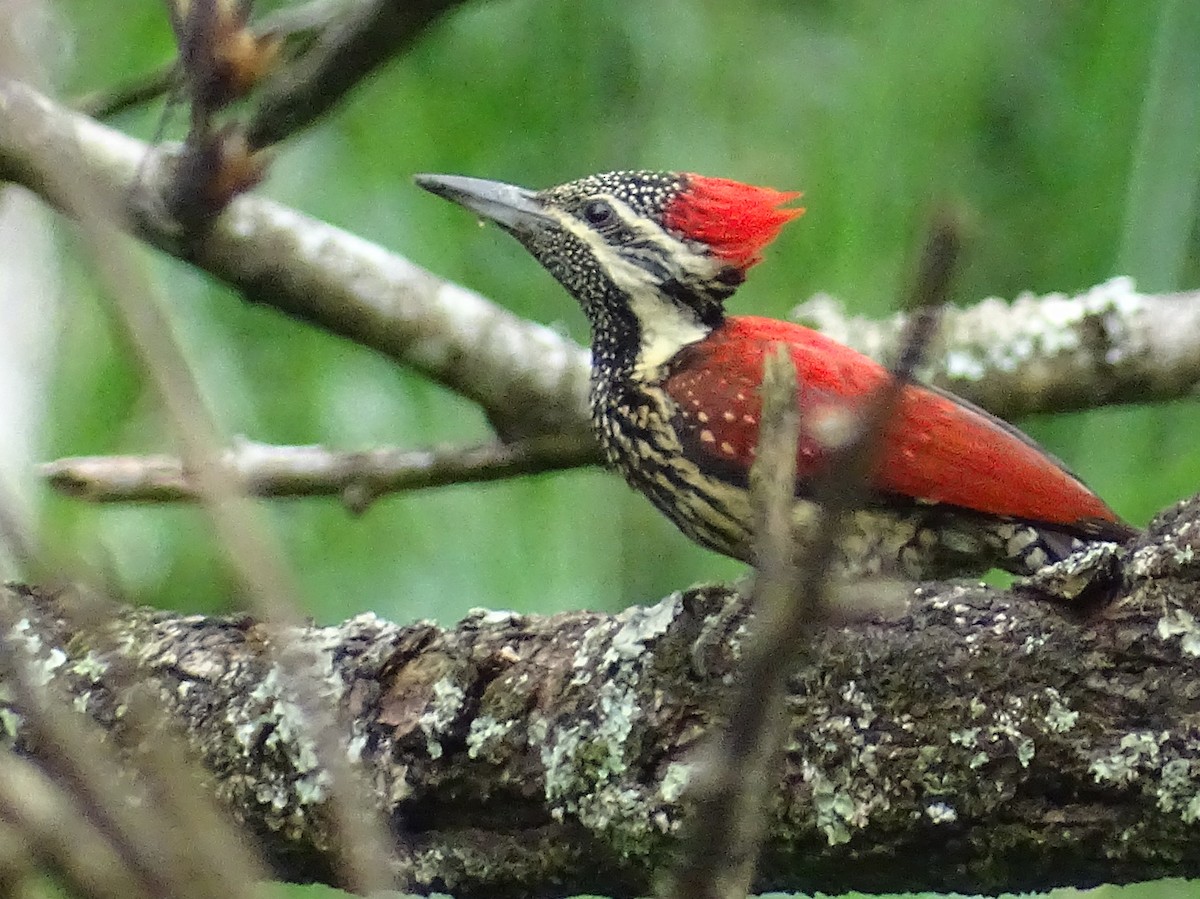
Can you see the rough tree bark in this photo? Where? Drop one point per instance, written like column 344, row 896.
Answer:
column 986, row 741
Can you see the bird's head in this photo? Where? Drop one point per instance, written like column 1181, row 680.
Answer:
column 649, row 255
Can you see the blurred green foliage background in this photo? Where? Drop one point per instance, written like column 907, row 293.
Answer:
column 1040, row 118
column 1035, row 116
column 1068, row 129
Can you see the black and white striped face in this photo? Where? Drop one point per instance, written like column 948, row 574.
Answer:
column 605, row 240
column 646, row 288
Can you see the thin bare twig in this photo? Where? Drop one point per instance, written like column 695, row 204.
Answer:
column 240, row 527
column 359, row 478
column 343, row 56
column 296, row 26
column 734, row 775
column 52, row 828
column 141, row 89
column 790, row 599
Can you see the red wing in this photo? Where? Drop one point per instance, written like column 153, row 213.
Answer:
column 937, row 448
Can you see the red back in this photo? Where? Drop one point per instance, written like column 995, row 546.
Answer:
column 936, row 448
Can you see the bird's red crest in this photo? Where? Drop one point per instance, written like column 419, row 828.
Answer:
column 736, row 220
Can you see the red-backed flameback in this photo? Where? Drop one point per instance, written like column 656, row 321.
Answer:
column 652, row 257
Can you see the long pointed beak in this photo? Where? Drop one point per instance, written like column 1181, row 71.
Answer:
column 512, row 208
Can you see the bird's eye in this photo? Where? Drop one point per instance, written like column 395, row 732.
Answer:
column 597, row 212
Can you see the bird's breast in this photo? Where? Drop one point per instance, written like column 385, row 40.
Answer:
column 635, row 423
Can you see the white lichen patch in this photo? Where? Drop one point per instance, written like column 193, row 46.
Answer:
column 91, row 666
column 675, row 781
column 447, row 703
column 1071, row 577
column 355, row 748
column 479, row 617
column 736, row 642
column 864, row 715
column 10, row 724
column 591, row 750
column 1177, row 790
column 1137, row 751
column 23, row 634
column 1182, row 624
column 997, row 336
column 964, row 364
column 276, row 708
column 1145, row 563
column 1174, row 554
column 846, row 794
column 839, row 806
column 941, row 813
column 40, row 664
column 43, row 672
column 617, row 811
column 1033, row 643
column 967, row 737
column 1025, row 750
column 584, row 756
column 289, row 730
column 1006, row 727
column 583, row 663
column 484, row 732
column 640, row 625
column 946, row 601
column 1059, row 717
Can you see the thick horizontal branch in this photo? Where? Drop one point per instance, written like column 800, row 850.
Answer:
column 985, row 741
column 359, row 478
column 1052, row 353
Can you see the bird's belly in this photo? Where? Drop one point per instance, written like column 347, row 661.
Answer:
column 643, row 447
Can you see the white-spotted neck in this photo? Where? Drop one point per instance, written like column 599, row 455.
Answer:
column 647, row 258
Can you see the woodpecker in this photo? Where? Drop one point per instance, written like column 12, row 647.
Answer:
column 651, row 257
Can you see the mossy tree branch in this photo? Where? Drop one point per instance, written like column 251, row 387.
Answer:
column 987, row 740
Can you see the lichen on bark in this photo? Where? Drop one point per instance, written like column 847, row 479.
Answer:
column 986, row 740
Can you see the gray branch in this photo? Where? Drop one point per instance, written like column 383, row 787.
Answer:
column 1053, row 353
column 358, row 478
column 985, row 741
